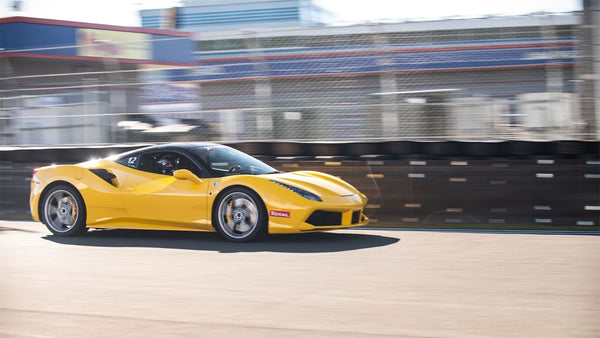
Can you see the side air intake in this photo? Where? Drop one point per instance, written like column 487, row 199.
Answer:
column 105, row 175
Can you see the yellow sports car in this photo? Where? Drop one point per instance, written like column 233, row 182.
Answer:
column 191, row 186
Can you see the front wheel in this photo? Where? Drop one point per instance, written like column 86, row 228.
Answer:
column 63, row 211
column 240, row 215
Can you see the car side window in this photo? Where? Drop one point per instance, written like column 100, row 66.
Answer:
column 148, row 163
column 129, row 161
column 166, row 162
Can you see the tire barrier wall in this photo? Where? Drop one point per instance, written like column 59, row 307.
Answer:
column 411, row 184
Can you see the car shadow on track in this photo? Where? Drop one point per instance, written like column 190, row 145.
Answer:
column 299, row 243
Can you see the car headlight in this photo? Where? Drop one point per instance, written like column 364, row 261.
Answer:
column 301, row 192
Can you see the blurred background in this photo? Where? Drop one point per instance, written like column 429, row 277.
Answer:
column 106, row 72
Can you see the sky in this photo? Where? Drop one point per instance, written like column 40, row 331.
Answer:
column 125, row 12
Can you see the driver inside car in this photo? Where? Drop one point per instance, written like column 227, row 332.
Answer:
column 167, row 165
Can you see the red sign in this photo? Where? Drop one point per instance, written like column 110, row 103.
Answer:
column 280, row 213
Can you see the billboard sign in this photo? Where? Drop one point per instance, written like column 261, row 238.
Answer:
column 113, row 44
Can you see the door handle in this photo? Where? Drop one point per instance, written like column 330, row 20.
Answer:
column 129, row 189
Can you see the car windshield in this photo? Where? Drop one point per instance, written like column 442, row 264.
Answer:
column 225, row 161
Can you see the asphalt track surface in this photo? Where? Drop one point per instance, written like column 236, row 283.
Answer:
column 352, row 283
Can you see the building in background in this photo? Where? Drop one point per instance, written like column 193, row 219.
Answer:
column 461, row 78
column 265, row 76
column 69, row 82
column 272, row 77
column 217, row 15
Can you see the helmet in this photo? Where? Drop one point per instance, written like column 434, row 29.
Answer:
column 166, row 165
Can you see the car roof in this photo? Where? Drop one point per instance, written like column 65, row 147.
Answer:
column 166, row 146
column 180, row 145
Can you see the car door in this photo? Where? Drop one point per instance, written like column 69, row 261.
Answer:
column 152, row 195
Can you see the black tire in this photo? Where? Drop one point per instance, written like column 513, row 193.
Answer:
column 63, row 211
column 239, row 215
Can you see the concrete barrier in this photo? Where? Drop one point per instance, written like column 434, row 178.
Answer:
column 416, row 184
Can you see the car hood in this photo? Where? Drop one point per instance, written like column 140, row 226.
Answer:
column 315, row 182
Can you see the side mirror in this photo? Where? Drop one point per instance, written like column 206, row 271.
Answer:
column 184, row 174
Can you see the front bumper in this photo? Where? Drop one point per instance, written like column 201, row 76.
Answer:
column 333, row 213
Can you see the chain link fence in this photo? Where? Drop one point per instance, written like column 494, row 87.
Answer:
column 359, row 83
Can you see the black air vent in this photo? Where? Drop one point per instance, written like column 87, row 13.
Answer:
column 321, row 218
column 105, row 175
column 356, row 217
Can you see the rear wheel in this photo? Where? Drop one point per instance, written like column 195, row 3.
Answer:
column 240, row 215
column 63, row 211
